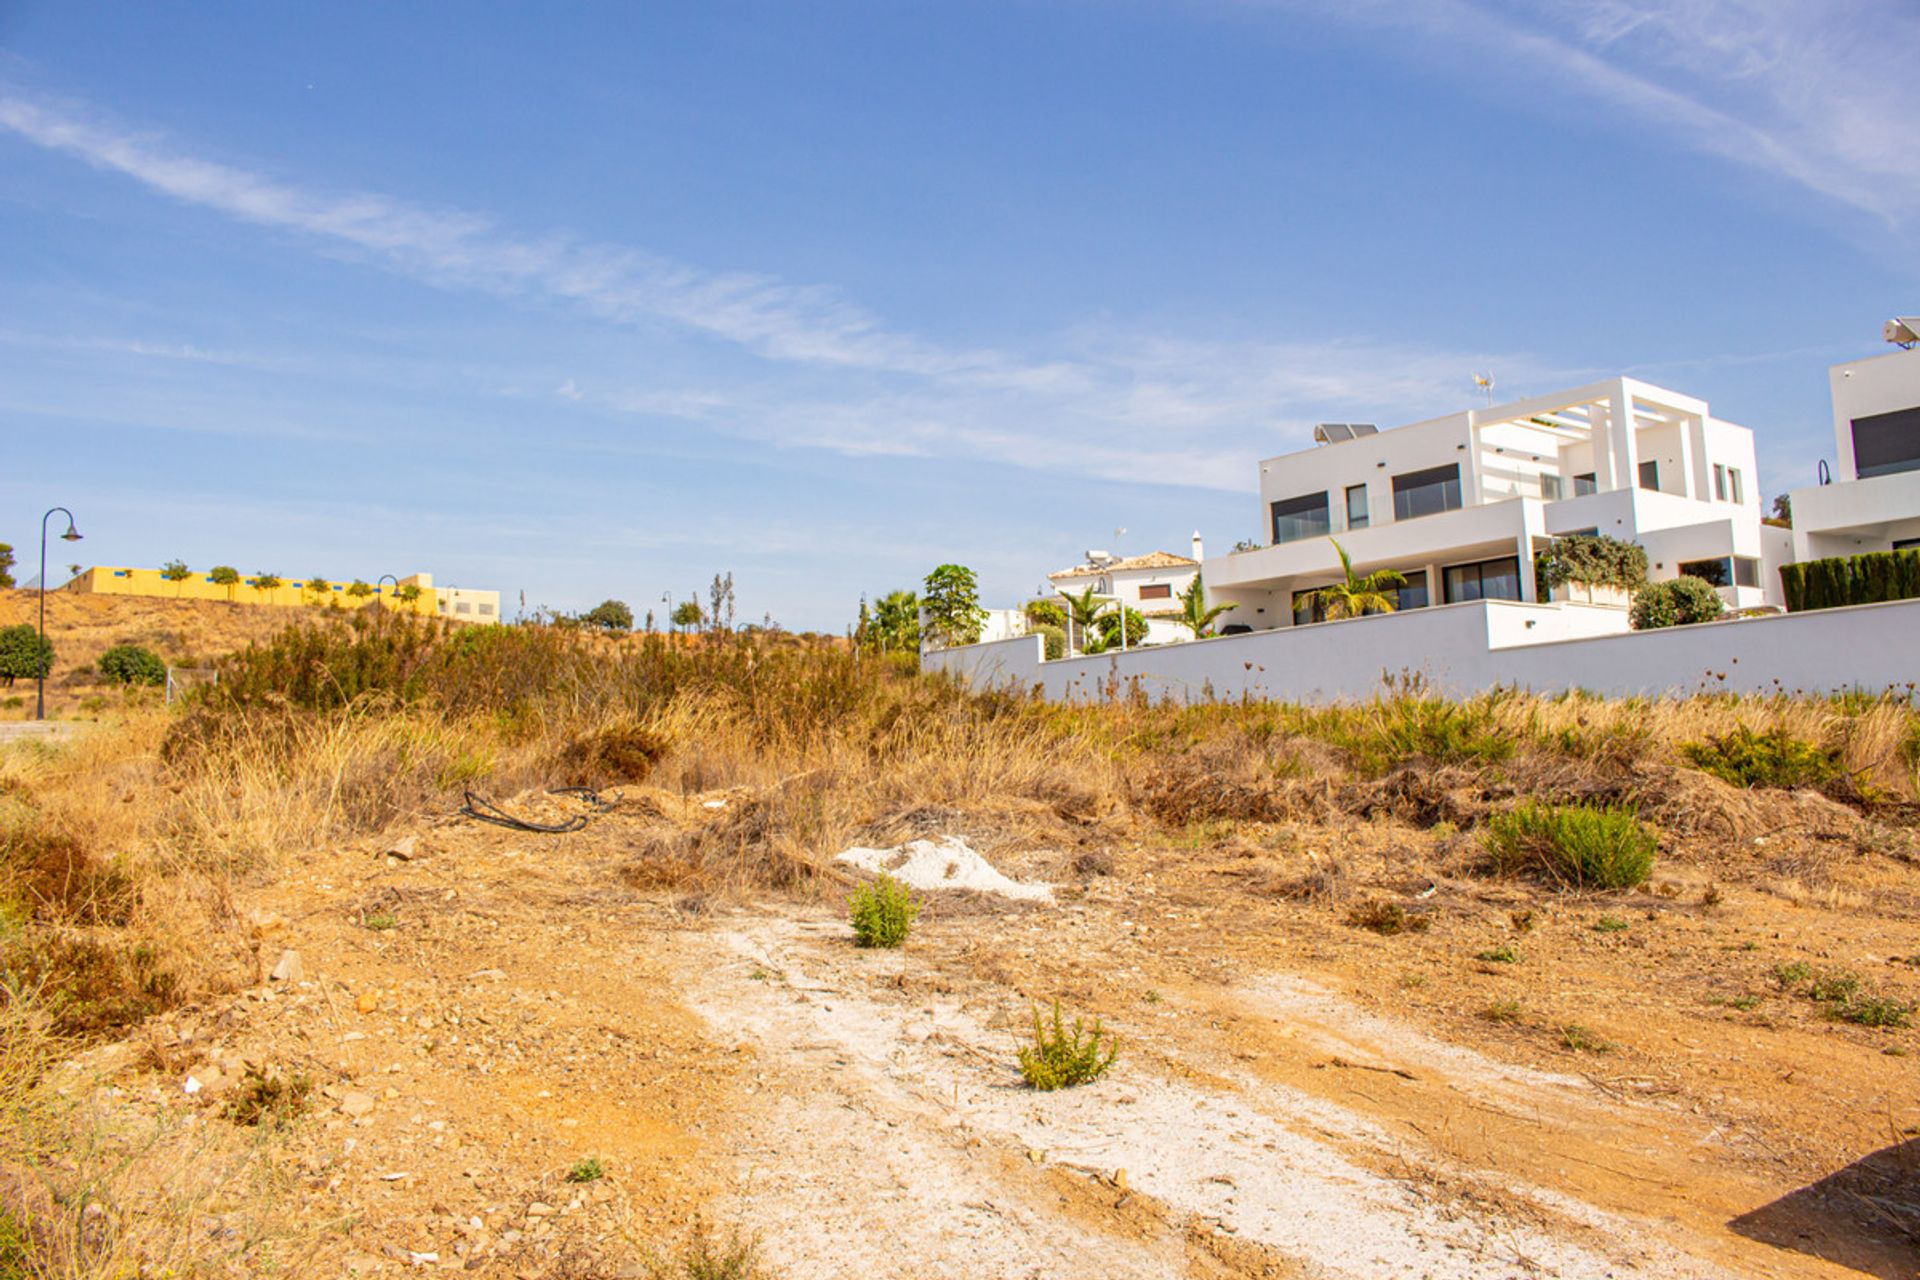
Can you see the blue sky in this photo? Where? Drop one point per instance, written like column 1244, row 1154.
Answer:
column 599, row 300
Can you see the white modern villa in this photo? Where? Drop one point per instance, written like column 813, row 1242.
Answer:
column 1460, row 504
column 1873, row 503
column 1151, row 584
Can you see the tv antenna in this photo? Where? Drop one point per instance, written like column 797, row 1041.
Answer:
column 1484, row 381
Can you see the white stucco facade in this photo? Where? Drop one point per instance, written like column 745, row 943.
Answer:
column 1460, row 504
column 1150, row 584
column 1873, row 502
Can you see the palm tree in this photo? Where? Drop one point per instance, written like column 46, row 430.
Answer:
column 1358, row 595
column 1083, row 611
column 1195, row 615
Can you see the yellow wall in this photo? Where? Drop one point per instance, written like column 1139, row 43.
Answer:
column 108, row 580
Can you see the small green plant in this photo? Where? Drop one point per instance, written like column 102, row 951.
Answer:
column 131, row 664
column 1152, row 997
column 1677, row 602
column 1792, row 975
column 1745, row 1003
column 1502, row 1011
column 1521, row 920
column 1387, row 918
column 268, row 1098
column 1875, row 1011
column 379, row 921
column 1582, row 1040
column 1610, row 924
column 1591, row 847
column 883, row 912
column 1063, row 1056
column 706, row 1257
column 1502, row 954
column 1837, row 987
column 1771, row 759
column 587, row 1170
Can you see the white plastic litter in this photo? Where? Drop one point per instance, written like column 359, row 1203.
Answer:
column 946, row 863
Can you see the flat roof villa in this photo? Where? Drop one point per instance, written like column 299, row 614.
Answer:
column 1873, row 502
column 1459, row 504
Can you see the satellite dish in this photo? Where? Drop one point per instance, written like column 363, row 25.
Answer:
column 1902, row 331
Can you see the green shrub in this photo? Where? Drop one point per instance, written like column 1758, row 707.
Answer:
column 1591, row 560
column 587, row 1170
column 1055, row 639
column 1844, row 580
column 1875, row 1011
column 268, row 1098
column 1061, row 1057
column 1108, row 625
column 1046, row 613
column 1502, row 954
column 883, row 912
column 1577, row 845
column 1678, row 602
column 23, row 654
column 132, row 664
column 1771, row 759
column 1410, row 725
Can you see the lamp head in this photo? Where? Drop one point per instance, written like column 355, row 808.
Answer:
column 71, row 535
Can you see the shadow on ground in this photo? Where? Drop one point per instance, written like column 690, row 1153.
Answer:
column 1865, row 1216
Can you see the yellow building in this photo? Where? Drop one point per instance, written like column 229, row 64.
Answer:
column 461, row 603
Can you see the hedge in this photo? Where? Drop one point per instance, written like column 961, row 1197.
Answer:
column 1843, row 580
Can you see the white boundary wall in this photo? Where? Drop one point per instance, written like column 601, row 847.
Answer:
column 1467, row 648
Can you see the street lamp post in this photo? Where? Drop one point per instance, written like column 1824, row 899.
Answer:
column 40, row 657
column 380, row 600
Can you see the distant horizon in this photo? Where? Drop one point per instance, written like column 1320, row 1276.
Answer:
column 599, row 303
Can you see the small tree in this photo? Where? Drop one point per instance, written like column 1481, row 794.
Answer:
column 133, row 664
column 359, row 589
column 1358, row 594
column 1109, row 626
column 225, row 575
column 687, row 614
column 407, row 593
column 176, row 572
column 320, row 589
column 609, row 615
column 6, row 565
column 267, row 583
column 23, row 654
column 1083, row 613
column 1045, row 612
column 952, row 606
column 895, row 624
column 1195, row 614
column 1782, row 517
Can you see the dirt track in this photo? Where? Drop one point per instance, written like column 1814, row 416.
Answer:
column 1290, row 1101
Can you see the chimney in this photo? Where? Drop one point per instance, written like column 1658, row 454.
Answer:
column 1199, row 548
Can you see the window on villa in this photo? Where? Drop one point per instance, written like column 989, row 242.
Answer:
column 1426, row 493
column 1303, row 517
column 487, row 610
column 1650, row 475
column 1550, row 487
column 1886, row 443
column 1719, row 482
column 1308, row 607
column 1156, row 591
column 1718, row 572
column 1735, row 493
column 1906, row 544
column 1484, row 580
column 1356, row 506
column 1585, row 484
column 1413, row 595
column 463, row 607
column 1746, row 571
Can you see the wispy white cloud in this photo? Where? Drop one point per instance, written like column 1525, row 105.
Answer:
column 1821, row 93
column 1116, row 404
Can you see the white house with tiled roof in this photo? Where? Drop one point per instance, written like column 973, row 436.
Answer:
column 1152, row 584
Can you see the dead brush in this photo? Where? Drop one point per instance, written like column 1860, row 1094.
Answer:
column 1388, row 918
column 1325, row 880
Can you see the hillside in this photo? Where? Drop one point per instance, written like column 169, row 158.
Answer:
column 185, row 633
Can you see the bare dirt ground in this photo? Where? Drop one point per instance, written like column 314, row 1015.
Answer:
column 1627, row 1091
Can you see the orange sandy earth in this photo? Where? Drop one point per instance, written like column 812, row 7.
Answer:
column 1295, row 1096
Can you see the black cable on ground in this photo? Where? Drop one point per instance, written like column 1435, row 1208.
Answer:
column 485, row 810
